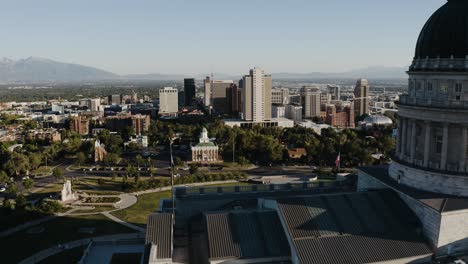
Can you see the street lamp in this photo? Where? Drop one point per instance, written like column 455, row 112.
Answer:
column 171, row 141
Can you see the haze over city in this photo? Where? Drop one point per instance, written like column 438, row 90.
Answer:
column 194, row 37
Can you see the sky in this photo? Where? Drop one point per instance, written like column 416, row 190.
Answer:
column 224, row 36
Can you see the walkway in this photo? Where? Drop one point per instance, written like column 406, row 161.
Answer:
column 122, row 222
column 41, row 255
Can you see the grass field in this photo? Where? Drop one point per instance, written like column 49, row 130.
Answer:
column 138, row 213
column 63, row 229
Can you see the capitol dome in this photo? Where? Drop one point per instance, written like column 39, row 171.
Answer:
column 444, row 36
column 380, row 120
column 446, row 32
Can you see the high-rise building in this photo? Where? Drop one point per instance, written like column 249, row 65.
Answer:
column 278, row 111
column 361, row 97
column 95, row 104
column 340, row 117
column 234, row 100
column 189, row 89
column 219, row 100
column 168, row 100
column 80, row 124
column 280, row 96
column 256, row 93
column 207, row 91
column 334, row 91
column 311, row 100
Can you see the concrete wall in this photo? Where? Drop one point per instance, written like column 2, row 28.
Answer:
column 367, row 182
column 430, row 181
column 453, row 232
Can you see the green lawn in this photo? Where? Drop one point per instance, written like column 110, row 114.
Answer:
column 138, row 213
column 63, row 229
column 9, row 219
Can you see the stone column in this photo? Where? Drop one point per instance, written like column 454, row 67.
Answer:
column 413, row 140
column 403, row 138
column 443, row 160
column 398, row 143
column 427, row 143
column 464, row 142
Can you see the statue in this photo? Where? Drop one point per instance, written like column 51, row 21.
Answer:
column 67, row 193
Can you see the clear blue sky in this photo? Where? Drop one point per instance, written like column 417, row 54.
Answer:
column 228, row 36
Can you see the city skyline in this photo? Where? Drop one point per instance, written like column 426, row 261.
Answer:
column 188, row 38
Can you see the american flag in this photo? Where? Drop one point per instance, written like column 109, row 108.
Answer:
column 337, row 161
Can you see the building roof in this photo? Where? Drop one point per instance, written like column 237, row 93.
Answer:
column 437, row 201
column 378, row 120
column 159, row 233
column 352, row 228
column 445, row 33
column 245, row 235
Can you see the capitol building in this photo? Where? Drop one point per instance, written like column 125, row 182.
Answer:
column 430, row 166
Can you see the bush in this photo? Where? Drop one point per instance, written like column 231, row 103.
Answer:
column 20, row 201
column 49, row 207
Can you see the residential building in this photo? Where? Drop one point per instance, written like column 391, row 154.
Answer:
column 168, row 101
column 80, row 124
column 342, row 117
column 120, row 122
column 115, row 99
column 361, row 97
column 256, row 93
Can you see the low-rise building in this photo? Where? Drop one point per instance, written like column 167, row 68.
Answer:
column 206, row 150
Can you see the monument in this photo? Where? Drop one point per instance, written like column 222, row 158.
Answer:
column 67, row 193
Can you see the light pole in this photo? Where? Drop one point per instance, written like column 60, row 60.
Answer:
column 171, row 141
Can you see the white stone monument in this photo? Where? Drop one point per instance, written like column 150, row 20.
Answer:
column 67, row 193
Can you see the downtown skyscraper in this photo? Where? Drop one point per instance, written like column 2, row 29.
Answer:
column 256, row 93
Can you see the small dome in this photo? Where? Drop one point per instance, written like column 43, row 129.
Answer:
column 445, row 34
column 378, row 120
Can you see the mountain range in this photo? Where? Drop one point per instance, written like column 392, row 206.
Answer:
column 42, row 70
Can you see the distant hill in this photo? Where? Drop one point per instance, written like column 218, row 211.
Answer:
column 38, row 70
column 41, row 70
column 375, row 72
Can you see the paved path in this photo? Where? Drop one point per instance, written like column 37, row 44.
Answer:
column 43, row 254
column 122, row 222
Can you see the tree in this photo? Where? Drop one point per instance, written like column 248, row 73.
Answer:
column 35, row 160
column 139, row 160
column 151, row 171
column 178, row 162
column 193, row 168
column 20, row 201
column 12, row 189
column 57, row 173
column 28, row 183
column 4, row 177
column 80, row 158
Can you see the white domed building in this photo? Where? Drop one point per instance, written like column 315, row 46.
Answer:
column 378, row 120
column 430, row 166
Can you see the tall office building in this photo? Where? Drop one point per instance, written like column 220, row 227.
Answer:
column 189, row 91
column 168, row 100
column 234, row 99
column 334, row 91
column 219, row 100
column 361, row 97
column 256, row 93
column 207, row 91
column 311, row 99
column 280, row 96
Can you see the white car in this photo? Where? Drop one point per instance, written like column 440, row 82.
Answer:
column 25, row 177
column 2, row 189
